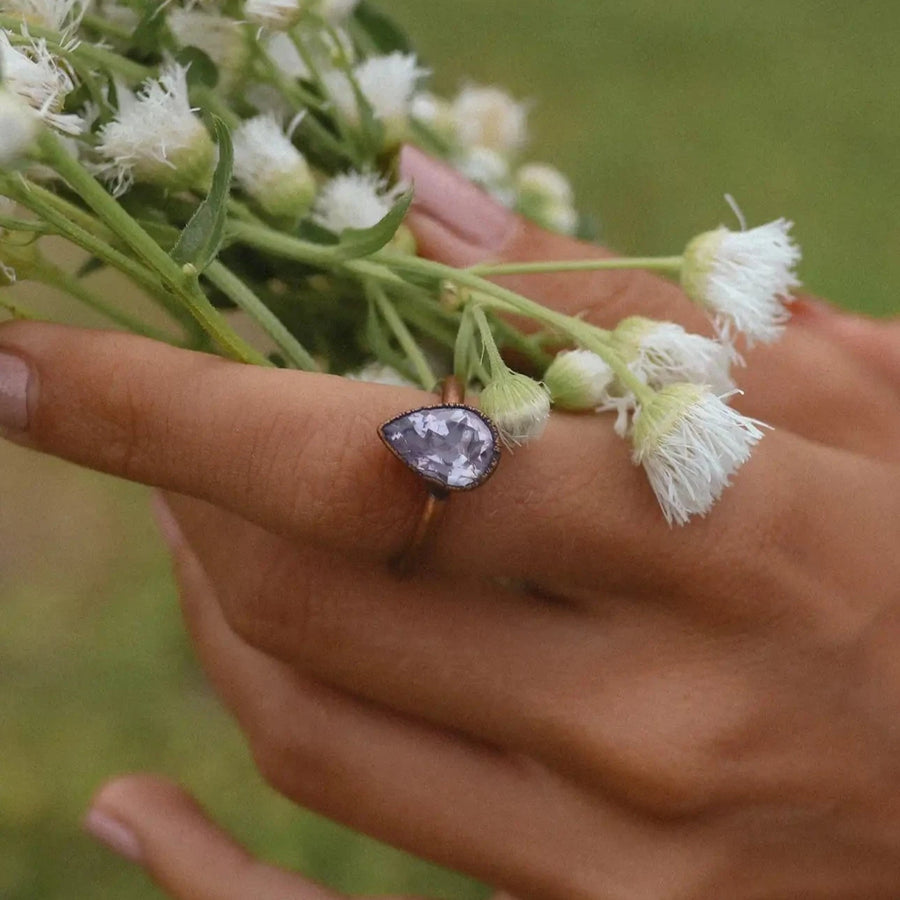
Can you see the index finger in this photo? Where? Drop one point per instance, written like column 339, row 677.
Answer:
column 299, row 454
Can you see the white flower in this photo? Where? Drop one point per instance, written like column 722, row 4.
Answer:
column 284, row 54
column 388, row 83
column 277, row 14
column 271, row 169
column 19, row 126
column 379, row 373
column 337, row 10
column 221, row 38
column 118, row 14
column 322, row 47
column 435, row 113
column 489, row 117
column 354, row 200
column 545, row 195
column 578, row 379
column 155, row 136
column 282, row 15
column 690, row 443
column 661, row 353
column 743, row 278
column 57, row 15
column 41, row 80
column 489, row 170
column 517, row 405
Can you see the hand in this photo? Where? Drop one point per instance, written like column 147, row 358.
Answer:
column 571, row 700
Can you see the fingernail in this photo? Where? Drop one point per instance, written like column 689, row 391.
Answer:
column 113, row 834
column 166, row 521
column 14, row 378
column 444, row 194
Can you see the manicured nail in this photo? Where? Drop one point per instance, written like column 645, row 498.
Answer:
column 444, row 194
column 113, row 834
column 165, row 521
column 14, row 377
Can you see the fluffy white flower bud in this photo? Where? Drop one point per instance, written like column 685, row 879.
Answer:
column 517, row 405
column 388, row 83
column 433, row 111
column 57, row 15
column 489, row 170
column 661, row 353
column 19, row 126
column 156, row 137
column 354, row 200
column 41, row 80
column 578, row 380
column 743, row 278
column 337, row 10
column 545, row 195
column 271, row 169
column 221, row 38
column 489, row 117
column 279, row 15
column 690, row 443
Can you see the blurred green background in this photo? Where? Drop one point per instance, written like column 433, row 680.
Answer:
column 656, row 109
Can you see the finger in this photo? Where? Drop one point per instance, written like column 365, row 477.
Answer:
column 819, row 386
column 584, row 693
column 154, row 823
column 428, row 790
column 299, row 454
column 875, row 342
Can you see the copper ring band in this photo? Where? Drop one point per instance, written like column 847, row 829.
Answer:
column 452, row 392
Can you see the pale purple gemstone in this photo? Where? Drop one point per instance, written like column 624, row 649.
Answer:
column 453, row 447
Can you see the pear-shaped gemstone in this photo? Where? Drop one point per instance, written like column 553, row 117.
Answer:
column 454, row 448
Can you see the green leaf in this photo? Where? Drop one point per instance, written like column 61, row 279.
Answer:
column 384, row 34
column 355, row 242
column 201, row 238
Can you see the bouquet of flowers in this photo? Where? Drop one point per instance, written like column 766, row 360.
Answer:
column 239, row 159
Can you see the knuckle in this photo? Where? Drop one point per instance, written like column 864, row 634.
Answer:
column 292, row 752
column 671, row 745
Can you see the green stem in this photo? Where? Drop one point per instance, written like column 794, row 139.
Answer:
column 55, row 211
column 235, row 289
column 184, row 286
column 522, row 343
column 404, row 337
column 462, row 348
column 497, row 365
column 385, row 266
column 589, row 336
column 98, row 57
column 106, row 28
column 426, row 316
column 279, row 244
column 670, row 264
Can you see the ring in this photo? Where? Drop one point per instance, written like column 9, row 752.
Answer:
column 451, row 447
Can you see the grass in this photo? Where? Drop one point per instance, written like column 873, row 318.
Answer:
column 656, row 109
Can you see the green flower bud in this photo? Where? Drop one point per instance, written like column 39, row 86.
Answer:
column 578, row 380
column 517, row 405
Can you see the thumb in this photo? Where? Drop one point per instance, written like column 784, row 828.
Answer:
column 457, row 223
column 154, row 823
